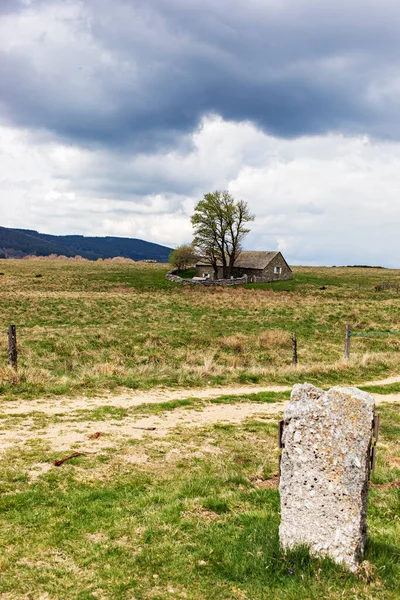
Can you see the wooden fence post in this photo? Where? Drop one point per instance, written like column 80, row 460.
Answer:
column 347, row 343
column 294, row 350
column 12, row 346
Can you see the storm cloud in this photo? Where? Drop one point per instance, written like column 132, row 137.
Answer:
column 116, row 117
column 141, row 74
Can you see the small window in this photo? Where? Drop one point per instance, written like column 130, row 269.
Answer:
column 277, row 270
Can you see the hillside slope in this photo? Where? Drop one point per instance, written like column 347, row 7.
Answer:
column 17, row 243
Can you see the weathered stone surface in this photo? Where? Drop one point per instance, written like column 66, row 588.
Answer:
column 324, row 471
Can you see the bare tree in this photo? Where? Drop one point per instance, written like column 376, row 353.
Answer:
column 219, row 223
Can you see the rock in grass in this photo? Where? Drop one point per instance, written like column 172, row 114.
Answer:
column 325, row 471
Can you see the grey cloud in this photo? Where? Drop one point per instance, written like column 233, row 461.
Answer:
column 10, row 6
column 141, row 74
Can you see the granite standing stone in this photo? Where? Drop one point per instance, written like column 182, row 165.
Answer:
column 325, row 471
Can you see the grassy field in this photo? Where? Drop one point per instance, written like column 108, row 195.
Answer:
column 189, row 509
column 184, row 512
column 91, row 327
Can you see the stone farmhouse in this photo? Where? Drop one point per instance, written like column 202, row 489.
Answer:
column 258, row 266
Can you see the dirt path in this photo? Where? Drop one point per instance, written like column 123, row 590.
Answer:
column 387, row 381
column 384, row 398
column 130, row 399
column 67, row 433
column 54, row 406
column 70, row 434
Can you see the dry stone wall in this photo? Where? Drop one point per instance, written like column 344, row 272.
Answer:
column 172, row 276
column 325, row 471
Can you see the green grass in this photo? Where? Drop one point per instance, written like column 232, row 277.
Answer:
column 389, row 388
column 86, row 328
column 192, row 524
column 257, row 397
column 193, row 513
column 189, row 274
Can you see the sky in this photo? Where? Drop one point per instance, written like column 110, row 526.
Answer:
column 117, row 116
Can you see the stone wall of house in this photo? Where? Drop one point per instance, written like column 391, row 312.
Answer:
column 269, row 275
column 236, row 272
column 202, row 270
column 239, row 272
column 257, row 275
column 172, row 276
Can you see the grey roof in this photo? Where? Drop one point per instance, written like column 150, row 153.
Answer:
column 249, row 259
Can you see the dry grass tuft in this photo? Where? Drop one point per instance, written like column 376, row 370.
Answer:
column 36, row 376
column 236, row 342
column 108, row 370
column 387, row 486
column 9, row 375
column 265, row 484
column 367, row 571
column 30, row 375
column 271, row 338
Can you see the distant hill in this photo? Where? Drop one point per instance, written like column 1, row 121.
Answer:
column 17, row 243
